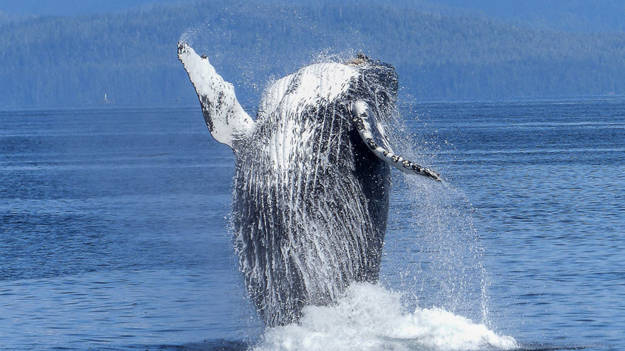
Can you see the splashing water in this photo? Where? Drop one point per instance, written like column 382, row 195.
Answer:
column 436, row 249
column 370, row 317
column 432, row 249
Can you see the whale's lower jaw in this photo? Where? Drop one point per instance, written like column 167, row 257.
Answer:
column 307, row 228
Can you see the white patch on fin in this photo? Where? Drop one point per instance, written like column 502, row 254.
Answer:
column 224, row 116
column 360, row 117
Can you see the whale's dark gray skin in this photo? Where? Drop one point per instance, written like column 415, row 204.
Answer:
column 312, row 179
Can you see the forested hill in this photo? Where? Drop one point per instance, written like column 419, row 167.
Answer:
column 580, row 16
column 131, row 56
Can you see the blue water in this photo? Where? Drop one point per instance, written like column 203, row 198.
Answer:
column 114, row 226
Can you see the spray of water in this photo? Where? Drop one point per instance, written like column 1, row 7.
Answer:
column 189, row 35
column 433, row 249
column 370, row 317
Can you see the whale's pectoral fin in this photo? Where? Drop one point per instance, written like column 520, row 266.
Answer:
column 224, row 116
column 361, row 119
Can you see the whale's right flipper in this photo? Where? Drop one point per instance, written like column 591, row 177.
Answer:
column 360, row 116
column 224, row 116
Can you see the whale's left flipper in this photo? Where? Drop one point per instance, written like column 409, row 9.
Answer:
column 360, row 117
column 224, row 116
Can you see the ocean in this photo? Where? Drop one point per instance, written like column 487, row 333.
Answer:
column 115, row 235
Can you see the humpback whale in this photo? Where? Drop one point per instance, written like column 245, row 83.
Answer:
column 312, row 178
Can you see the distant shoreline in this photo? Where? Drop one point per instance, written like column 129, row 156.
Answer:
column 403, row 103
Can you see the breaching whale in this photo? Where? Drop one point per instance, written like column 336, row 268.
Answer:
column 312, row 178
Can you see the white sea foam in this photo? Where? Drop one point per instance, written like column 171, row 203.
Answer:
column 370, row 317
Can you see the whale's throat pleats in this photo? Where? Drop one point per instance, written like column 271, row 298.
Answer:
column 310, row 209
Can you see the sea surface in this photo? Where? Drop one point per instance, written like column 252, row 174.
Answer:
column 114, row 235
